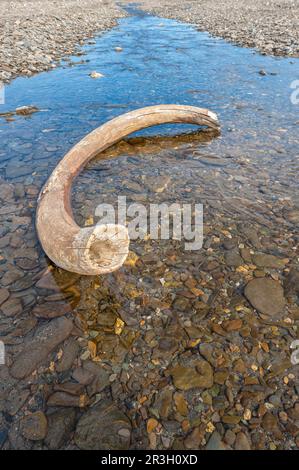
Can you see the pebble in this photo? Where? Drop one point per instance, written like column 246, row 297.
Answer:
column 215, row 442
column 12, row 307
column 242, row 442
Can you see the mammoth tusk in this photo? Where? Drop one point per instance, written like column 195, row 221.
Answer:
column 102, row 248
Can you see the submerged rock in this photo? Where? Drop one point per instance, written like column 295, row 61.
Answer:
column 34, row 426
column 36, row 350
column 95, row 74
column 266, row 295
column 26, row 110
column 199, row 375
column 60, row 425
column 103, row 427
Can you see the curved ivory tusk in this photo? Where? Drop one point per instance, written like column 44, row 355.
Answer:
column 102, row 248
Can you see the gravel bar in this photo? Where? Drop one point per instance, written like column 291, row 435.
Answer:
column 270, row 26
column 35, row 35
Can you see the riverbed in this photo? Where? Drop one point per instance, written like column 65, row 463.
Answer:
column 173, row 351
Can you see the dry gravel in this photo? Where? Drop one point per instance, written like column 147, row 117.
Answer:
column 271, row 26
column 35, row 35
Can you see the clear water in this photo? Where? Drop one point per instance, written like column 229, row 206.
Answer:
column 248, row 174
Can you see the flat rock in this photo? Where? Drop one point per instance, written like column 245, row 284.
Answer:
column 16, row 400
column 291, row 283
column 103, row 427
column 61, row 423
column 242, row 442
column 4, row 294
column 51, row 309
column 233, row 258
column 11, row 307
column 101, row 377
column 200, row 375
column 66, row 399
column 70, row 352
column 215, row 442
column 82, row 376
column 269, row 261
column 37, row 349
column 266, row 295
column 34, row 426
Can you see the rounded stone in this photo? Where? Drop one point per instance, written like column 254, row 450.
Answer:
column 34, row 426
column 266, row 296
column 104, row 427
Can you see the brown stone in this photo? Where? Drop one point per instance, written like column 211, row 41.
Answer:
column 34, row 426
column 266, row 295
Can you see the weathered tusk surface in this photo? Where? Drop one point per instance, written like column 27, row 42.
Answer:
column 102, row 248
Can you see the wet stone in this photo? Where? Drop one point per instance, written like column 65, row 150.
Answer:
column 215, row 442
column 291, row 283
column 12, row 307
column 82, row 376
column 158, row 184
column 16, row 400
column 193, row 440
column 102, row 428
column 70, row 351
column 11, row 276
column 198, row 375
column 101, row 377
column 22, row 284
column 4, row 294
column 36, row 350
column 232, row 258
column 266, row 295
column 51, row 310
column 27, row 264
column 61, row 424
column 268, row 261
column 66, row 399
column 270, row 424
column 34, row 426
column 242, row 442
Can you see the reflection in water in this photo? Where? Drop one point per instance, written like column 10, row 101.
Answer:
column 130, row 329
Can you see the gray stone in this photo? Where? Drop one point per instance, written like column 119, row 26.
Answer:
column 37, row 349
column 34, row 426
column 61, row 423
column 266, row 295
column 215, row 442
column 102, row 428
